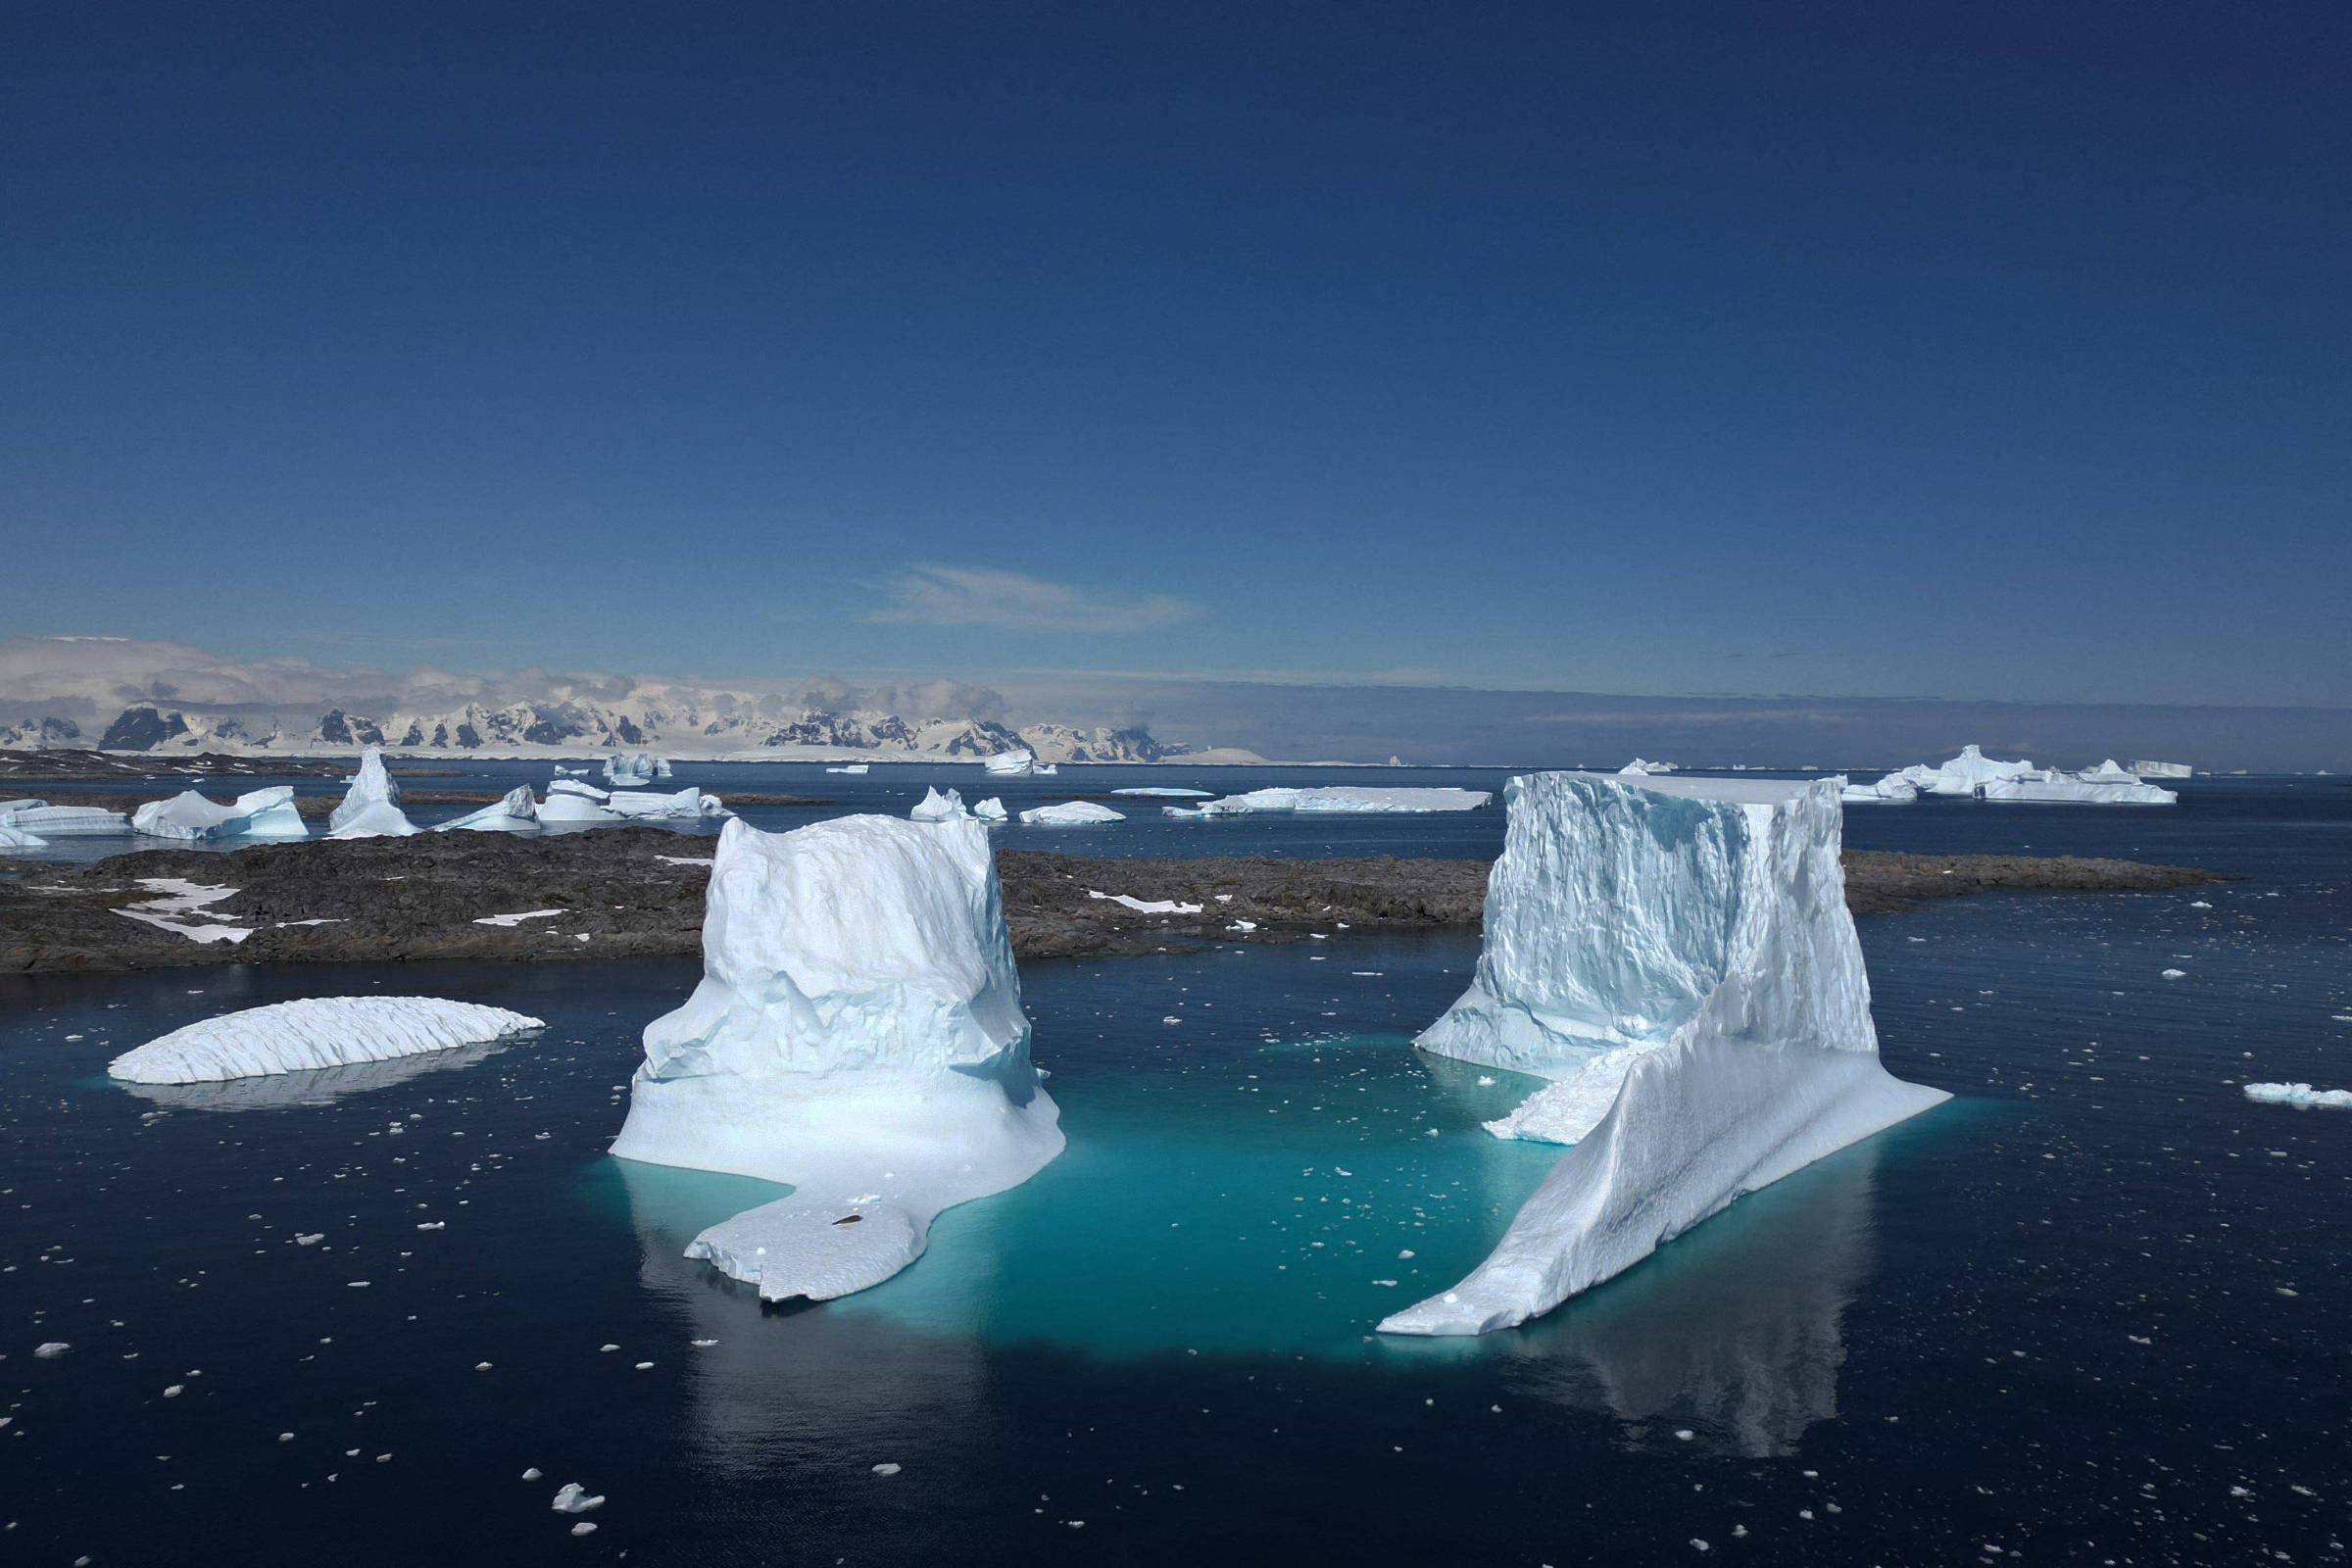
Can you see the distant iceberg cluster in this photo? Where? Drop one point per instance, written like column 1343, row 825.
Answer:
column 315, row 1032
column 1336, row 800
column 1678, row 958
column 1972, row 775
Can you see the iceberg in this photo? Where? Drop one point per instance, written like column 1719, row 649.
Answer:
column 2300, row 1094
column 261, row 815
column 1336, row 800
column 1070, row 814
column 63, row 821
column 516, row 812
column 574, row 806
column 2163, row 770
column 991, row 809
column 635, row 768
column 1044, row 769
column 572, row 786
column 1968, row 773
column 370, row 807
column 16, row 838
column 1637, row 769
column 1893, row 788
column 688, row 802
column 1009, row 765
column 847, row 767
column 1677, row 957
column 937, row 808
column 858, row 1034
column 2080, row 789
column 315, row 1032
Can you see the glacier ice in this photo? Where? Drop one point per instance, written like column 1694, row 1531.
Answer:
column 937, row 808
column 1070, row 814
column 1677, row 957
column 315, row 1032
column 259, row 814
column 63, row 821
column 516, row 812
column 991, row 809
column 2300, row 1094
column 1336, row 799
column 370, row 807
column 858, row 1034
column 1010, row 764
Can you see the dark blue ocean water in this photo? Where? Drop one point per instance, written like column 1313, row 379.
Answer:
column 2098, row 1309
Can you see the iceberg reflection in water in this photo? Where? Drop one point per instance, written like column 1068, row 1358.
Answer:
column 317, row 1086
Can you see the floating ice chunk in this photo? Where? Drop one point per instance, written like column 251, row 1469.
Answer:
column 1044, row 769
column 516, row 812
column 1242, row 925
column 937, row 808
column 315, row 1032
column 687, row 803
column 2300, row 1094
column 1968, row 774
column 63, row 821
column 565, row 806
column 1892, row 790
column 2176, row 975
column 2078, row 789
column 51, row 1349
column 1169, row 791
column 1690, row 942
column 991, row 809
column 1009, row 765
column 2163, row 770
column 1637, row 769
column 1070, row 814
column 572, row 1498
column 858, row 1034
column 1336, row 799
column 847, row 767
column 370, row 806
column 1144, row 907
column 16, row 838
column 635, row 768
column 261, row 815
column 572, row 786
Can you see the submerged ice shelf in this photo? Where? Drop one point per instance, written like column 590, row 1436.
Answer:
column 857, row 1034
column 1677, row 957
column 315, row 1032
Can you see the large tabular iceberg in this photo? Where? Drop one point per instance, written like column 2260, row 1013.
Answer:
column 858, row 1034
column 1678, row 957
column 2163, row 770
column 516, row 812
column 1070, row 814
column 1010, row 764
column 370, row 807
column 261, row 815
column 2092, row 788
column 1336, row 800
column 63, row 821
column 315, row 1032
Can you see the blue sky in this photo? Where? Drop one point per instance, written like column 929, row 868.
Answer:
column 1988, row 352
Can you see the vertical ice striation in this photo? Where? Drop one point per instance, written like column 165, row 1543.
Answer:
column 858, row 1034
column 370, row 807
column 1678, row 957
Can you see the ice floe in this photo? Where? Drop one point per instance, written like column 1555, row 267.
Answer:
column 858, row 1034
column 261, row 815
column 315, row 1032
column 2300, row 1094
column 1070, row 814
column 515, row 813
column 1677, row 955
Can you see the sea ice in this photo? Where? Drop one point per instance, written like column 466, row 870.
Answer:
column 261, row 815
column 1678, row 957
column 1070, row 814
column 991, row 809
column 315, row 1032
column 1336, row 799
column 2300, row 1094
column 858, row 1034
column 1010, row 764
column 370, row 807
column 516, row 812
column 937, row 808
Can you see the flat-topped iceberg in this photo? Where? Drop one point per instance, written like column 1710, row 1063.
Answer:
column 370, row 807
column 2080, row 789
column 259, row 814
column 515, row 813
column 63, row 821
column 858, row 1034
column 1070, row 814
column 847, row 767
column 1677, row 957
column 1010, row 764
column 687, row 804
column 937, row 808
column 315, row 1032
column 1169, row 791
column 1348, row 799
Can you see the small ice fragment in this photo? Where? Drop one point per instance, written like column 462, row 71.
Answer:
column 312, row 1239
column 481, row 1366
column 585, row 1527
column 2176, row 975
column 532, row 1474
column 51, row 1349
column 886, row 1469
column 175, row 1391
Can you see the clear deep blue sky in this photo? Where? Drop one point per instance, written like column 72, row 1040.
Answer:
column 1983, row 351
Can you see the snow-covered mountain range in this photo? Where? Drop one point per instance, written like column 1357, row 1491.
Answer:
column 119, row 694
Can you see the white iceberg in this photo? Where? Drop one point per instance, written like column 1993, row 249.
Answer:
column 370, row 807
column 2301, row 1095
column 1171, row 792
column 16, row 838
column 991, row 809
column 1044, row 769
column 858, row 1034
column 1637, row 769
column 573, row 808
column 261, row 815
column 1009, row 765
column 63, row 821
column 315, row 1032
column 1968, row 773
column 635, row 768
column 2078, row 789
column 1070, row 814
column 572, row 786
column 1892, row 790
column 1336, row 800
column 937, row 808
column 515, row 813
column 1678, row 957
column 688, row 802
column 847, row 767
column 2163, row 770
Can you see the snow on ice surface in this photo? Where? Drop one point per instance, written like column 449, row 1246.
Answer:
column 991, row 809
column 369, row 787
column 261, row 815
column 1146, row 906
column 1011, row 763
column 858, row 1034
column 937, row 808
column 63, row 821
column 176, row 901
column 1070, row 814
column 516, row 812
column 572, row 786
column 1687, row 943
column 2300, row 1094
column 1336, row 799
column 315, row 1032
column 563, row 806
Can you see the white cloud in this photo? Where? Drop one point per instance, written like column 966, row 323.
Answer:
column 933, row 595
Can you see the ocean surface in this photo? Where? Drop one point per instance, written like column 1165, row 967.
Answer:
column 2097, row 1309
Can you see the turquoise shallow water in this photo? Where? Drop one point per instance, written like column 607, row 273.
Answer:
column 2097, row 1307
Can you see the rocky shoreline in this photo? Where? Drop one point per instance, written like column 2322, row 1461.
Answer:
column 637, row 892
